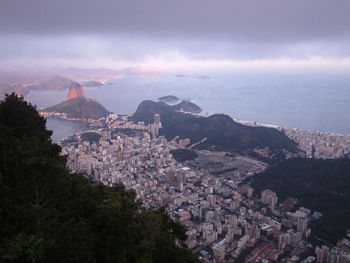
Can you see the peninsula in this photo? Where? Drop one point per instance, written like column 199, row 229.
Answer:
column 78, row 105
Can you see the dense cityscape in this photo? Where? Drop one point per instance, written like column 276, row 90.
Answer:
column 225, row 220
column 187, row 131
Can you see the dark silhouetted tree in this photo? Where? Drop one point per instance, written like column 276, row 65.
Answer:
column 50, row 215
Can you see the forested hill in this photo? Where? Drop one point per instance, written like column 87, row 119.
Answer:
column 48, row 215
column 219, row 132
column 321, row 185
column 147, row 108
column 187, row 106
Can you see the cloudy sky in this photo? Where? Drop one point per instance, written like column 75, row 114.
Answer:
column 176, row 34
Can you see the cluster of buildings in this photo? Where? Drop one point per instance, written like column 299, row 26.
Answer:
column 121, row 122
column 320, row 145
column 315, row 144
column 225, row 221
column 338, row 254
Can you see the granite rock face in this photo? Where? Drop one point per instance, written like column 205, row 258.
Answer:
column 75, row 91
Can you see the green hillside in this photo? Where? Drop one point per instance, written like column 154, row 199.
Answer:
column 48, row 215
column 220, row 131
column 321, row 185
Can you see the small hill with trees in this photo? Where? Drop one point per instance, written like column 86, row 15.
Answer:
column 187, row 106
column 218, row 132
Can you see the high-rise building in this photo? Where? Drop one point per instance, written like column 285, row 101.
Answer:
column 211, row 200
column 302, row 224
column 334, row 255
column 269, row 197
column 284, row 240
column 219, row 251
column 229, row 236
column 157, row 119
column 154, row 128
column 232, row 220
column 235, row 204
column 177, row 179
column 345, row 257
column 119, row 155
column 253, row 231
column 256, row 231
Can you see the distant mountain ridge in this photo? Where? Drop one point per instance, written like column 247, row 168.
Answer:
column 218, row 132
column 103, row 74
column 92, row 83
column 53, row 83
column 25, row 80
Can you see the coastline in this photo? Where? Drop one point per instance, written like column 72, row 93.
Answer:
column 315, row 144
column 63, row 128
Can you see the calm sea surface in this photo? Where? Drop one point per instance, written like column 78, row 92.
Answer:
column 307, row 101
column 62, row 128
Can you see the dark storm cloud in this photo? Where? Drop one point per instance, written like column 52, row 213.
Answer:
column 253, row 19
column 134, row 30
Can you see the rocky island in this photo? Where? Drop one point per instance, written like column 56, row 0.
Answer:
column 169, row 98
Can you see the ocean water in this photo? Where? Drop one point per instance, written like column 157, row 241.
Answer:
column 62, row 128
column 306, row 101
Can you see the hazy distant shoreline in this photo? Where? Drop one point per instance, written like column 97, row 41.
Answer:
column 303, row 102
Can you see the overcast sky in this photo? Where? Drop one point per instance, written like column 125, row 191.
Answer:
column 176, row 34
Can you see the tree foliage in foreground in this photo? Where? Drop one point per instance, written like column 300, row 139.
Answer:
column 48, row 215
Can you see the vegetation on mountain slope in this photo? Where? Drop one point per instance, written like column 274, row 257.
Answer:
column 320, row 185
column 218, row 132
column 49, row 215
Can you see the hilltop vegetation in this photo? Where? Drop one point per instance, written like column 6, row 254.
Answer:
column 182, row 155
column 48, row 215
column 187, row 106
column 147, row 108
column 224, row 134
column 218, row 132
column 320, row 185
